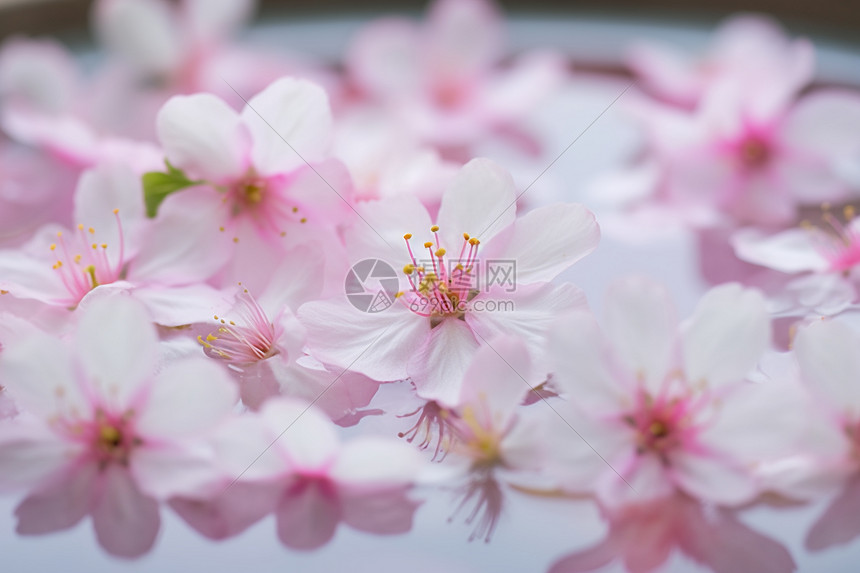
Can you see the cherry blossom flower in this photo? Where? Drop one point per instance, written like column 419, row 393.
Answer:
column 184, row 47
column 431, row 332
column 114, row 248
column 664, row 405
column 107, row 432
column 644, row 536
column 261, row 341
column 822, row 258
column 492, row 439
column 743, row 49
column 265, row 192
column 310, row 480
column 442, row 78
column 748, row 155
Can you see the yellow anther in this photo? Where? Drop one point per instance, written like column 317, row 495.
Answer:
column 77, row 258
column 91, row 230
column 295, row 209
column 849, row 212
column 473, row 241
column 104, row 245
column 407, row 236
column 91, row 270
column 283, row 233
column 109, row 435
column 215, row 316
column 303, row 220
column 235, row 239
column 399, row 294
column 221, row 229
column 80, row 227
column 116, row 211
column 203, row 342
column 95, row 246
column 210, row 338
column 466, row 236
column 428, row 244
column 409, row 269
column 434, row 228
column 53, row 246
column 59, row 234
column 440, row 252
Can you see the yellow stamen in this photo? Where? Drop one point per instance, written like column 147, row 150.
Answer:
column 440, row 252
column 409, row 269
column 407, row 236
column 466, row 236
column 428, row 244
column 434, row 228
column 91, row 270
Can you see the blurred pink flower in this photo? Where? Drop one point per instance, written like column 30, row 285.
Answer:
column 310, row 480
column 443, row 79
column 743, row 49
column 644, row 536
column 665, row 405
column 827, row 258
column 105, row 432
column 431, row 332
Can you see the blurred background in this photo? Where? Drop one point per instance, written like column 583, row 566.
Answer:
column 835, row 18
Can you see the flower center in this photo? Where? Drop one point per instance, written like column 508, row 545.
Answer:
column 754, row 152
column 838, row 243
column 264, row 201
column 441, row 285
column 110, row 439
column 660, row 425
column 482, row 444
column 249, row 340
column 83, row 263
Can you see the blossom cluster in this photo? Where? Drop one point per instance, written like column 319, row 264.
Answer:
column 217, row 263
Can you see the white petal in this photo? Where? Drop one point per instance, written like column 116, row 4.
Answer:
column 290, row 123
column 438, row 366
column 546, row 241
column 726, row 335
column 303, row 433
column 581, row 363
column 827, row 352
column 99, row 192
column 497, row 381
column 245, row 450
column 178, row 249
column 203, row 135
column 166, row 471
column 187, row 398
column 527, row 313
column 30, row 453
column 177, row 306
column 713, row 478
column 376, row 344
column 791, row 251
column 642, row 325
column 376, row 462
column 38, row 371
column 481, row 201
column 383, row 224
column 118, row 345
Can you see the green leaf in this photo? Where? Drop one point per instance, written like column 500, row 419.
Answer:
column 157, row 185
